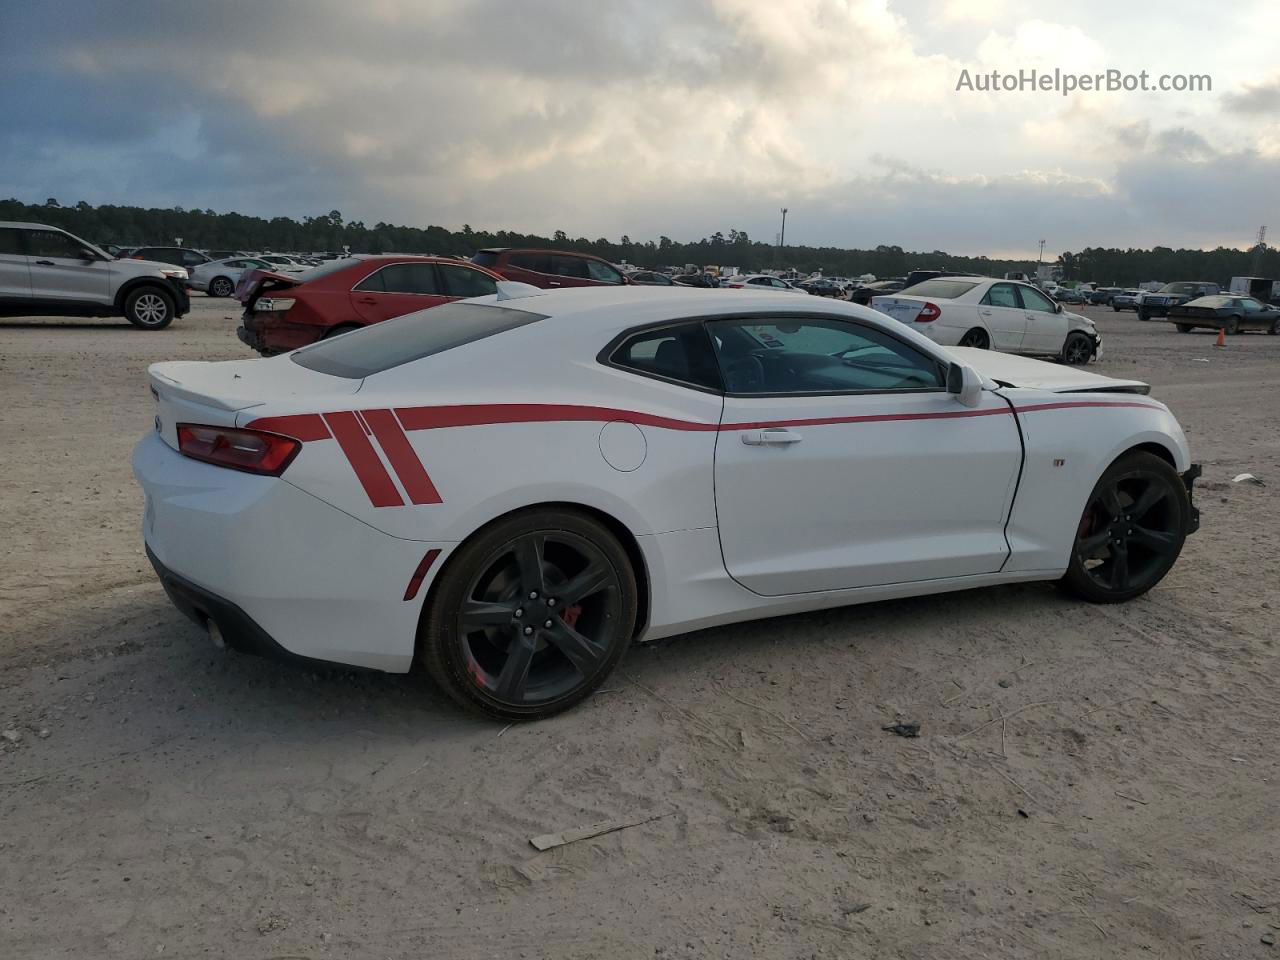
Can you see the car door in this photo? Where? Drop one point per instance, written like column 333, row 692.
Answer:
column 395, row 290
column 1046, row 325
column 844, row 462
column 1004, row 316
column 62, row 268
column 15, row 275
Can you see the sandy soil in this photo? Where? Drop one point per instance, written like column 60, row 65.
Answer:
column 1089, row 782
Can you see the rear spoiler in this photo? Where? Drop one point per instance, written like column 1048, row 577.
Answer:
column 253, row 282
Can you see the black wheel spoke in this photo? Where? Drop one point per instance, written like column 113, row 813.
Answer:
column 515, row 672
column 580, row 651
column 1156, row 540
column 478, row 614
column 1119, row 567
column 1110, row 500
column 1089, row 544
column 528, row 553
column 596, row 577
column 1154, row 494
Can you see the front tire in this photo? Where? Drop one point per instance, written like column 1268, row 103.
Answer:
column 220, row 287
column 530, row 615
column 1184, row 327
column 1232, row 326
column 1131, row 532
column 1077, row 350
column 976, row 338
column 1274, row 329
column 149, row 308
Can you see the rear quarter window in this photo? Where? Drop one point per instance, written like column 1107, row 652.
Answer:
column 392, row 343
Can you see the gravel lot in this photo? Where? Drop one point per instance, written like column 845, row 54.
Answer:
column 1089, row 782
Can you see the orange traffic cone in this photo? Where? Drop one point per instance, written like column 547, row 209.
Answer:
column 1222, row 337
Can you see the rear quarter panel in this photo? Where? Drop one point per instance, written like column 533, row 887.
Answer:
column 1070, row 439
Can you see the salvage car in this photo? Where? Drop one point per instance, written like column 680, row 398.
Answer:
column 990, row 314
column 283, row 311
column 549, row 269
column 218, row 278
column 1230, row 314
column 510, row 490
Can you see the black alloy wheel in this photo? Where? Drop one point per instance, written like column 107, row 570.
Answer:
column 1078, row 349
column 1131, row 532
column 531, row 615
column 976, row 338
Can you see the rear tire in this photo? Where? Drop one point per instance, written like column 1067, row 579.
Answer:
column 1232, row 326
column 149, row 308
column 1131, row 531
column 1274, row 329
column 530, row 615
column 976, row 338
column 220, row 287
column 1184, row 327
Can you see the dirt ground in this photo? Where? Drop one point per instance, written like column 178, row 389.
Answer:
column 1088, row 782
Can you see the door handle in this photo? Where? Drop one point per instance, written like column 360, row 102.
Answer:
column 46, row 263
column 553, row 283
column 760, row 438
column 985, row 313
column 369, row 300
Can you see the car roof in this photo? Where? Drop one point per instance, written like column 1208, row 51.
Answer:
column 15, row 224
column 562, row 253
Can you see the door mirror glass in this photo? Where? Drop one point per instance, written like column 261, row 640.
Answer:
column 965, row 384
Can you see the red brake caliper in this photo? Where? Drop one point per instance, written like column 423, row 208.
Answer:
column 570, row 615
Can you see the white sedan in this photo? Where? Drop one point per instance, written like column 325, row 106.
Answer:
column 759, row 281
column 511, row 489
column 218, row 278
column 1002, row 315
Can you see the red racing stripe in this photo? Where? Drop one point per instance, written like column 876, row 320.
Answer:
column 480, row 414
column 404, row 460
column 369, row 470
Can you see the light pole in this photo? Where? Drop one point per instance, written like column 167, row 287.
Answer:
column 1041, row 259
column 782, row 236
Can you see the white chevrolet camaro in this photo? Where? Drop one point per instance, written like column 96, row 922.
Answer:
column 511, row 489
column 1002, row 315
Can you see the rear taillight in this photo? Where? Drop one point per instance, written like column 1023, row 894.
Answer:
column 249, row 450
column 273, row 304
column 928, row 313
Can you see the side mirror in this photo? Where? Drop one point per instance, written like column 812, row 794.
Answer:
column 965, row 384
column 1057, row 308
column 87, row 255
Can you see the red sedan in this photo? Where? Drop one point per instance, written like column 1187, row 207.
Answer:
column 286, row 311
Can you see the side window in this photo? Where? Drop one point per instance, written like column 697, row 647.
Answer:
column 9, row 245
column 760, row 281
column 373, row 283
column 51, row 243
column 817, row 355
column 530, row 261
column 1250, row 305
column 414, row 278
column 465, row 282
column 1033, row 299
column 680, row 352
column 192, row 259
column 570, row 267
column 1001, row 295
column 602, row 272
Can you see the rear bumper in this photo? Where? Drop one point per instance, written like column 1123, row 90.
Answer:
column 273, row 566
column 269, row 335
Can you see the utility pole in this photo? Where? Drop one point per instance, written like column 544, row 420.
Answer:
column 1259, row 249
column 1041, row 259
column 782, row 237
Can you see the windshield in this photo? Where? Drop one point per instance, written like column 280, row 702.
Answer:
column 380, row 347
column 940, row 289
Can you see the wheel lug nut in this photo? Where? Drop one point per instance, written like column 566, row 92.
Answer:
column 551, row 602
column 547, row 624
column 533, row 594
column 519, row 612
column 528, row 631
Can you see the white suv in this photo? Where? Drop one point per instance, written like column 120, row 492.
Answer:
column 45, row 271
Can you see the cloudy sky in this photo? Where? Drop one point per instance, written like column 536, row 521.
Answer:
column 651, row 117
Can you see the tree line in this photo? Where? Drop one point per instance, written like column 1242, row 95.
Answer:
column 207, row 229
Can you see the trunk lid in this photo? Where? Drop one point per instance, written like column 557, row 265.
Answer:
column 1018, row 371
column 215, row 393
column 904, row 309
column 253, row 283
